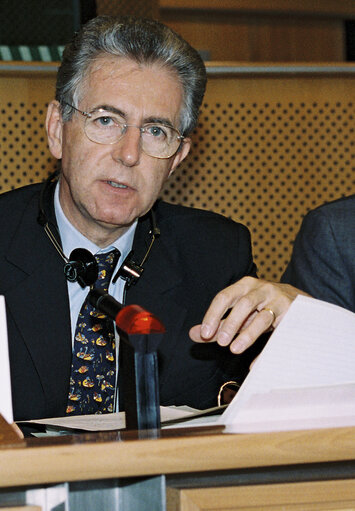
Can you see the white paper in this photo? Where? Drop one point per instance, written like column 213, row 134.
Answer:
column 115, row 421
column 5, row 379
column 49, row 498
column 305, row 376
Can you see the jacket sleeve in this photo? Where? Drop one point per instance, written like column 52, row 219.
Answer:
column 317, row 264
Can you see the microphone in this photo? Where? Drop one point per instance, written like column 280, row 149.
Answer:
column 129, row 271
column 132, row 319
column 82, row 267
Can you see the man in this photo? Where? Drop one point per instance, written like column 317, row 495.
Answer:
column 323, row 258
column 128, row 95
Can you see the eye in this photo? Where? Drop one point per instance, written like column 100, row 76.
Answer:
column 156, row 130
column 104, row 121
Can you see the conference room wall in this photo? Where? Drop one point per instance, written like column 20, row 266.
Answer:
column 273, row 141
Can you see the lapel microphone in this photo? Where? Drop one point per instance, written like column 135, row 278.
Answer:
column 82, row 266
column 130, row 271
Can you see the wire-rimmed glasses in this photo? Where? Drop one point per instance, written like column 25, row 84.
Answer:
column 106, row 127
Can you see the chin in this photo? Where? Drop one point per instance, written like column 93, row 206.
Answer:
column 112, row 221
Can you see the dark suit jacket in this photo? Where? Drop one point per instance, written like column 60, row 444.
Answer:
column 323, row 258
column 197, row 254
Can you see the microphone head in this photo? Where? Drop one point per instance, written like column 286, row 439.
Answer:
column 82, row 267
column 132, row 319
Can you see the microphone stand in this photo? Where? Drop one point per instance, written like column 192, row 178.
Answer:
column 140, row 334
column 139, row 381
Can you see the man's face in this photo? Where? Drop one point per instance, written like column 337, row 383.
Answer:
column 104, row 188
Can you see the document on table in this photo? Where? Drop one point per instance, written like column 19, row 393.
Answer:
column 5, row 380
column 305, row 376
column 116, row 421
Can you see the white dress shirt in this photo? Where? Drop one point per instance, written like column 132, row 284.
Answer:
column 71, row 238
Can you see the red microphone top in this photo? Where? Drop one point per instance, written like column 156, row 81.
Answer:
column 133, row 319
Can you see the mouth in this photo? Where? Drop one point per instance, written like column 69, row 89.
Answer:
column 116, row 185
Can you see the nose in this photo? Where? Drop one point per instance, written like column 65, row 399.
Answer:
column 128, row 149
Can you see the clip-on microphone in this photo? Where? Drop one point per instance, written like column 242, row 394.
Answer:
column 82, row 267
column 130, row 271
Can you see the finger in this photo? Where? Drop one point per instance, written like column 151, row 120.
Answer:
column 239, row 317
column 270, row 311
column 248, row 321
column 196, row 336
column 195, row 331
column 221, row 303
column 259, row 295
column 261, row 323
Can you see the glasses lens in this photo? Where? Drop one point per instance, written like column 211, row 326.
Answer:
column 104, row 127
column 158, row 140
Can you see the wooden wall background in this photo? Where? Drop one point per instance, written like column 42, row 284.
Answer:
column 272, row 142
column 251, row 30
column 260, row 30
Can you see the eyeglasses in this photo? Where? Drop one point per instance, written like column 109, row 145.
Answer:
column 105, row 127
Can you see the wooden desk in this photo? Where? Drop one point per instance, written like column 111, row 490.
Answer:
column 195, row 469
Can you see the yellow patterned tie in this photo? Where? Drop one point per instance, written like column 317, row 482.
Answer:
column 93, row 371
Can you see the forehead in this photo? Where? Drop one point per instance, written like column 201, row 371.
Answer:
column 152, row 90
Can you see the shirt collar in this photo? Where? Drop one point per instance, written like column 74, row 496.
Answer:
column 71, row 238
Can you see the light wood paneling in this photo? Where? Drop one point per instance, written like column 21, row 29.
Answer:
column 234, row 36
column 88, row 457
column 268, row 148
column 25, row 91
column 311, row 496
column 21, row 508
column 272, row 143
column 256, row 30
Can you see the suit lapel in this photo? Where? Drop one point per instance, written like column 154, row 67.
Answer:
column 159, row 290
column 42, row 316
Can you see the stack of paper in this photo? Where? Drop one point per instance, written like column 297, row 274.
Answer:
column 5, row 380
column 305, row 376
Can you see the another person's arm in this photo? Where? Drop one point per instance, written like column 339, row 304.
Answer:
column 319, row 264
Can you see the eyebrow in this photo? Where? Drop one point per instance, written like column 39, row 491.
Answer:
column 114, row 110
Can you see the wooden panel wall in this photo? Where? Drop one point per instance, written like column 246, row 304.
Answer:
column 25, row 92
column 306, row 496
column 272, row 143
column 268, row 148
column 226, row 36
column 256, row 30
column 251, row 30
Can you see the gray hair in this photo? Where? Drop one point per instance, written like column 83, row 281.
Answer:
column 144, row 41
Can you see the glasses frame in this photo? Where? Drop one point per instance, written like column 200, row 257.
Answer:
column 88, row 115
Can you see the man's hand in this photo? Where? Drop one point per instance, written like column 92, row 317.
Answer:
column 255, row 306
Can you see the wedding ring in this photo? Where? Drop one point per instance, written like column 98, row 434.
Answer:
column 271, row 312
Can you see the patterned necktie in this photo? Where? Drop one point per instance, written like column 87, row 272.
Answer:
column 93, row 370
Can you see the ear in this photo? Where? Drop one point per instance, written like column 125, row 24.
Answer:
column 180, row 155
column 54, row 127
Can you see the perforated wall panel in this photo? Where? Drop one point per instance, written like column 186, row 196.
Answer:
column 24, row 154
column 265, row 152
column 267, row 149
column 141, row 8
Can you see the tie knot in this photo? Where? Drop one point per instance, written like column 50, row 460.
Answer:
column 106, row 262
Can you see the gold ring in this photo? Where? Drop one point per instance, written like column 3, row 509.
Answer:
column 271, row 312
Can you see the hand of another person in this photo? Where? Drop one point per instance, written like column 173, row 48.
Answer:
column 255, row 306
